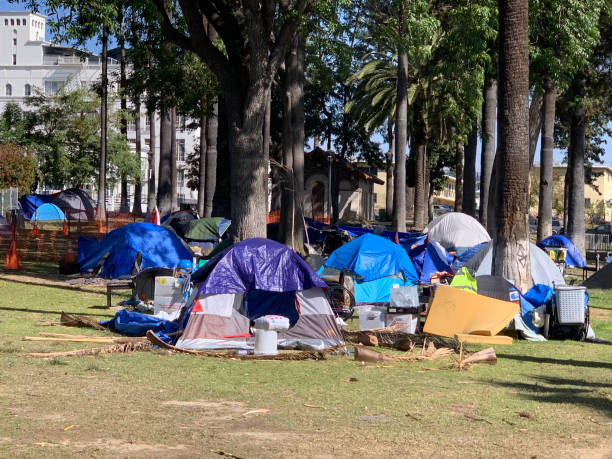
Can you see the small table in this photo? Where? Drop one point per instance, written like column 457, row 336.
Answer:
column 126, row 284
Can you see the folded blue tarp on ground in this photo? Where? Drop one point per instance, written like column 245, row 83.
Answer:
column 572, row 256
column 136, row 324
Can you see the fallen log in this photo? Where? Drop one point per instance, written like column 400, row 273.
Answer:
column 90, row 339
column 485, row 356
column 71, row 320
column 368, row 355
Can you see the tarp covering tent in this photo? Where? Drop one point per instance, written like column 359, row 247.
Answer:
column 572, row 256
column 253, row 278
column 118, row 251
column 207, row 229
column 179, row 221
column 430, row 259
column 48, row 212
column 30, row 202
column 378, row 264
column 75, row 203
column 456, row 231
column 601, row 279
column 543, row 269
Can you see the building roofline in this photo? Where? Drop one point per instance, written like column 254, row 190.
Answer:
column 15, row 12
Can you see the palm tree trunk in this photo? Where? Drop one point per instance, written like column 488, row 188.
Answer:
column 202, row 166
column 535, row 124
column 137, row 207
column 151, row 186
column 468, row 205
column 124, row 206
column 164, row 181
column 298, row 145
column 420, row 137
column 511, row 240
column 546, row 163
column 101, row 209
column 389, row 169
column 487, row 156
column 212, row 129
column 401, row 136
column 575, row 211
column 458, row 177
column 173, row 161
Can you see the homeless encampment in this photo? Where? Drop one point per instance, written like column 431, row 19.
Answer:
column 430, row 259
column 543, row 269
column 75, row 203
column 377, row 263
column 456, row 231
column 207, row 229
column 250, row 279
column 132, row 247
column 179, row 221
column 48, row 212
column 572, row 256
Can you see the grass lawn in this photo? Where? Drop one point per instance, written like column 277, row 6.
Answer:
column 549, row 399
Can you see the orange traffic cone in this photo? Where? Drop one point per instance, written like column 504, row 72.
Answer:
column 65, row 228
column 12, row 258
column 69, row 258
column 35, row 231
column 100, row 227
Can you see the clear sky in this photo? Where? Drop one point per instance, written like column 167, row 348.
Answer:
column 93, row 46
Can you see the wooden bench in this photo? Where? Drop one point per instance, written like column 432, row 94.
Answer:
column 126, row 284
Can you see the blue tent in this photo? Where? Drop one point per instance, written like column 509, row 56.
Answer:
column 30, row 202
column 430, row 259
column 48, row 211
column 158, row 246
column 378, row 264
column 572, row 256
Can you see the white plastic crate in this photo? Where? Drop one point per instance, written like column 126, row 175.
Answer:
column 570, row 305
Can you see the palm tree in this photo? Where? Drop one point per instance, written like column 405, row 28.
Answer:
column 511, row 241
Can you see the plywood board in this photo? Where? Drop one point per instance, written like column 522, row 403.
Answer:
column 454, row 311
column 479, row 339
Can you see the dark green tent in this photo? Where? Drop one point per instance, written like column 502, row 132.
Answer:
column 207, row 229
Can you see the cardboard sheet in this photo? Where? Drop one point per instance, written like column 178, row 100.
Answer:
column 478, row 339
column 455, row 311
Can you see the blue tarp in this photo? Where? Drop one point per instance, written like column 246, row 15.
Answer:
column 572, row 256
column 462, row 258
column 372, row 257
column 159, row 247
column 430, row 259
column 136, row 324
column 535, row 297
column 378, row 290
column 48, row 212
column 402, row 238
column 30, row 202
column 256, row 264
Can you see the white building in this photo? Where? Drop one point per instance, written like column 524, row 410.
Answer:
column 27, row 60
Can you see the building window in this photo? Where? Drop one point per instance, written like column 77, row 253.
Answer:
column 147, row 121
column 12, row 22
column 18, row 22
column 8, row 90
column 23, row 22
column 27, row 90
column 131, row 125
column 180, row 178
column 148, row 143
column 52, row 87
column 14, row 42
column 6, row 22
column 180, row 122
column 180, row 149
column 14, row 59
column 587, row 202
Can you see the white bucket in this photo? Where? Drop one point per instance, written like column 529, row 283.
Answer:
column 266, row 342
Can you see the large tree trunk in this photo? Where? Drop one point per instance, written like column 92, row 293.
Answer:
column 419, row 173
column 164, row 181
column 428, row 189
column 458, row 177
column 266, row 152
column 575, row 202
column 124, row 207
column 535, row 124
column 401, row 136
column 487, row 156
column 468, row 205
column 389, row 170
column 101, row 209
column 511, row 240
column 152, row 169
column 173, row 161
column 137, row 207
column 546, row 163
column 202, row 166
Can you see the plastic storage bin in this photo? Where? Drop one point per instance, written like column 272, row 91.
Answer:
column 570, row 305
column 372, row 318
column 404, row 297
column 168, row 294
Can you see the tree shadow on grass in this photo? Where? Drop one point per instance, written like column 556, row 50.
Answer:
column 571, row 362
column 57, row 313
column 61, row 287
column 547, row 389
